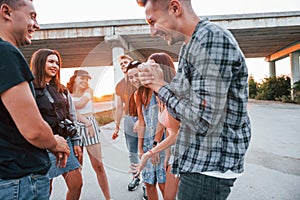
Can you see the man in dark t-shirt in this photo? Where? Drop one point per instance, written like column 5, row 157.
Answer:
column 24, row 135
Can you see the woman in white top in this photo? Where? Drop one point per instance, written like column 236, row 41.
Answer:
column 82, row 96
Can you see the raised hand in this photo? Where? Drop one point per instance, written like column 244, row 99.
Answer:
column 151, row 75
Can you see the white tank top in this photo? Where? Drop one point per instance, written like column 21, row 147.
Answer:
column 88, row 108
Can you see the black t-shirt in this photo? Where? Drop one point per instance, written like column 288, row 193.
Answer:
column 124, row 89
column 18, row 157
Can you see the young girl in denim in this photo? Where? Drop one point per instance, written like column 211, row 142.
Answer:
column 154, row 173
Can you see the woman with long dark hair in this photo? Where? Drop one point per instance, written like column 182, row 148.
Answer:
column 166, row 124
column 150, row 131
column 55, row 105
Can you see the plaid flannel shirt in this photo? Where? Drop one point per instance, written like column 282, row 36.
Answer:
column 209, row 95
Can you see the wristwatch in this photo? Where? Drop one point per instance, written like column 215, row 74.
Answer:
column 154, row 144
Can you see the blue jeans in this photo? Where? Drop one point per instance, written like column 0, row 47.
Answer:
column 131, row 139
column 198, row 186
column 31, row 187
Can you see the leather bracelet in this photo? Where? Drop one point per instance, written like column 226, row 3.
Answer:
column 154, row 144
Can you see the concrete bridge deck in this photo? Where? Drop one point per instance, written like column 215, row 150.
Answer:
column 83, row 44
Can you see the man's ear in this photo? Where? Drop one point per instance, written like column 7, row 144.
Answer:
column 5, row 11
column 175, row 7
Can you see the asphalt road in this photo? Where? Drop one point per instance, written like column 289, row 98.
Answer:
column 272, row 163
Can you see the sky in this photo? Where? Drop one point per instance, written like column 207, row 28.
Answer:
column 59, row 11
column 62, row 11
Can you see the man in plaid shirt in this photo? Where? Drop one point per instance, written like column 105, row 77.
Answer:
column 208, row 96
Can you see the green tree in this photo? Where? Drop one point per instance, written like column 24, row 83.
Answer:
column 253, row 87
column 274, row 88
column 296, row 91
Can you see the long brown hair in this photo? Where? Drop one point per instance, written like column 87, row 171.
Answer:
column 37, row 66
column 70, row 84
column 167, row 65
column 132, row 110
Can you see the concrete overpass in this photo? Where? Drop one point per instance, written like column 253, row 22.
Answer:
column 99, row 43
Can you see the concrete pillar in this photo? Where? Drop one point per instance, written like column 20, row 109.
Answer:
column 118, row 74
column 117, row 50
column 272, row 69
column 295, row 69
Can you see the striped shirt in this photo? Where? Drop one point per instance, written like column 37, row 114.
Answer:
column 209, row 95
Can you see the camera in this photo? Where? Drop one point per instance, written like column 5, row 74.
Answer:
column 68, row 127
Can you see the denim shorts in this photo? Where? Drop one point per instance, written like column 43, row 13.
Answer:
column 72, row 163
column 25, row 188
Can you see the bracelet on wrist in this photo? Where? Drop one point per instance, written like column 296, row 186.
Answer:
column 154, row 144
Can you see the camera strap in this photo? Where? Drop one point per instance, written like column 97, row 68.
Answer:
column 51, row 100
column 48, row 95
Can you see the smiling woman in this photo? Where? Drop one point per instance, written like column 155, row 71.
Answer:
column 102, row 81
column 56, row 107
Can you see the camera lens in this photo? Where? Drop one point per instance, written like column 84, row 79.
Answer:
column 72, row 130
column 69, row 127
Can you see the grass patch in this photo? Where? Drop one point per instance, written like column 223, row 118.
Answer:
column 105, row 117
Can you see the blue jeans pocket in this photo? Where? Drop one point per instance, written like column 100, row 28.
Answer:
column 9, row 189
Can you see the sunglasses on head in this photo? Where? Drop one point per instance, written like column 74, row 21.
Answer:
column 133, row 64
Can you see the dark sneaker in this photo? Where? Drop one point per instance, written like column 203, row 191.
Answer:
column 145, row 197
column 133, row 184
